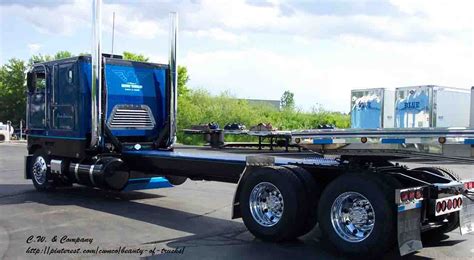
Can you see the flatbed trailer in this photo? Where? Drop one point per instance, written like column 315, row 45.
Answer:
column 118, row 132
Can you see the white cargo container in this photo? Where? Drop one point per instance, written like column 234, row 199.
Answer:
column 472, row 107
column 431, row 106
column 372, row 108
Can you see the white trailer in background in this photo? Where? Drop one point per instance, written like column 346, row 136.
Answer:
column 472, row 108
column 372, row 108
column 431, row 106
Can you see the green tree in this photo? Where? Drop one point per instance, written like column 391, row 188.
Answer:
column 287, row 100
column 12, row 91
column 62, row 55
column 134, row 57
column 43, row 58
column 183, row 79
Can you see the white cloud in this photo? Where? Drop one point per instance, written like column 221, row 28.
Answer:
column 353, row 62
column 34, row 47
column 219, row 35
column 318, row 55
column 66, row 19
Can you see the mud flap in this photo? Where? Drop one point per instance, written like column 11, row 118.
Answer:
column 408, row 229
column 466, row 216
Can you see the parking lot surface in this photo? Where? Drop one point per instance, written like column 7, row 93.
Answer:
column 191, row 221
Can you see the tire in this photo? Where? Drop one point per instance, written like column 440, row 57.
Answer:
column 361, row 187
column 290, row 189
column 311, row 198
column 40, row 172
column 453, row 218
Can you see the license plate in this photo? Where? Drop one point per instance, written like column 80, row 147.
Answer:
column 466, row 217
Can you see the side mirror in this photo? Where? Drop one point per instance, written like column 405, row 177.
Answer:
column 31, row 81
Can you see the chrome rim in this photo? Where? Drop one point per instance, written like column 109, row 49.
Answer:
column 39, row 170
column 352, row 217
column 266, row 204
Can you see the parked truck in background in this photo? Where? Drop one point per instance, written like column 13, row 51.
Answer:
column 109, row 123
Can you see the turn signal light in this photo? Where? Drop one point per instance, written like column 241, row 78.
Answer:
column 469, row 185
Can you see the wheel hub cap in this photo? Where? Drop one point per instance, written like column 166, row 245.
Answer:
column 352, row 217
column 266, row 204
column 39, row 170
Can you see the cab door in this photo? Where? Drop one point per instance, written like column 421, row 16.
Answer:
column 64, row 97
column 37, row 113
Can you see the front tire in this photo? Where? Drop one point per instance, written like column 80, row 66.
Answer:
column 40, row 171
column 357, row 214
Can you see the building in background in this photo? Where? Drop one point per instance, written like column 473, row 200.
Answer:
column 272, row 103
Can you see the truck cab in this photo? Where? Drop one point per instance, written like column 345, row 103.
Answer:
column 135, row 110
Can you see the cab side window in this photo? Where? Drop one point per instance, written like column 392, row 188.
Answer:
column 40, row 82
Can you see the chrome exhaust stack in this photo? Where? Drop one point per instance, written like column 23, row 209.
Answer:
column 96, row 81
column 173, row 70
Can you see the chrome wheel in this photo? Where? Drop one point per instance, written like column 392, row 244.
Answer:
column 352, row 217
column 266, row 204
column 39, row 170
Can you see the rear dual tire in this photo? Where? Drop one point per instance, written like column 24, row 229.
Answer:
column 357, row 214
column 275, row 205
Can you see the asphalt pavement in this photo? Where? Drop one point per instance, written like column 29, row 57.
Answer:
column 190, row 221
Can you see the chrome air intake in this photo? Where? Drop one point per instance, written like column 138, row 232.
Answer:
column 131, row 117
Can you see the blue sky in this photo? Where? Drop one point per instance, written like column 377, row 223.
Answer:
column 319, row 50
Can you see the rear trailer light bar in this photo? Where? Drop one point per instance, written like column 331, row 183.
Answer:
column 410, row 198
column 448, row 205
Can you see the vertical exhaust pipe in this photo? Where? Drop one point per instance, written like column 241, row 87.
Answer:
column 96, row 81
column 173, row 70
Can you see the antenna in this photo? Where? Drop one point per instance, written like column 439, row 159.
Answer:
column 113, row 34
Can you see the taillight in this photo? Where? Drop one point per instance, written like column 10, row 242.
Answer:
column 469, row 185
column 404, row 196
column 455, row 203
column 418, row 194
column 450, row 204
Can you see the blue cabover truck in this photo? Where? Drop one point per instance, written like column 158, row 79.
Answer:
column 110, row 123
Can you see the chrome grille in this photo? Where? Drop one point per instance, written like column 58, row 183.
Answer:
column 131, row 117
